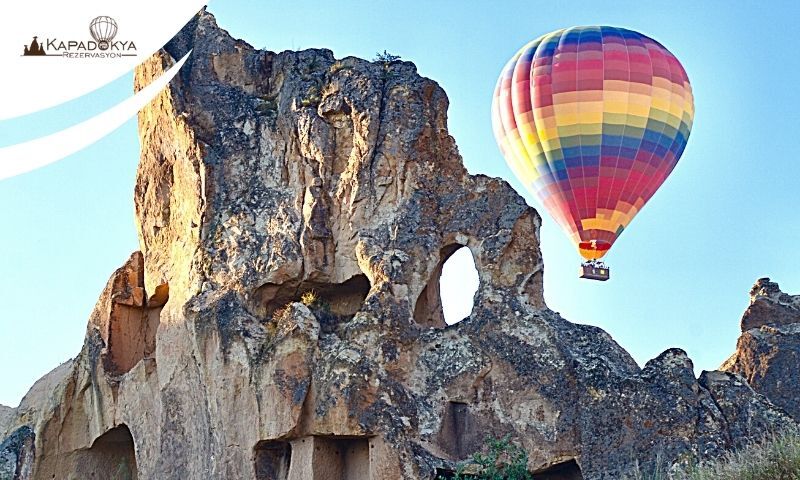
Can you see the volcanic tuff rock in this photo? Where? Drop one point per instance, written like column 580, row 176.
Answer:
column 768, row 351
column 16, row 454
column 770, row 306
column 265, row 176
column 6, row 417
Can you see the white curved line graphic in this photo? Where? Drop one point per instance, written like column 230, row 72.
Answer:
column 33, row 84
column 25, row 157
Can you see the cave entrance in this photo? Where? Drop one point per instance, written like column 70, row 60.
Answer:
column 445, row 473
column 341, row 458
column 449, row 295
column 569, row 470
column 313, row 458
column 272, row 460
column 112, row 456
column 340, row 299
column 459, row 435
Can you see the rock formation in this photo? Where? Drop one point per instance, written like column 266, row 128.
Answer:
column 768, row 351
column 6, row 417
column 283, row 319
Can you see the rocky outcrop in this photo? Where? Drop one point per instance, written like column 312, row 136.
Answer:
column 768, row 351
column 770, row 306
column 283, row 318
column 16, row 454
column 6, row 418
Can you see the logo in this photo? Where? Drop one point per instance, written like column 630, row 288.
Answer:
column 34, row 49
column 103, row 30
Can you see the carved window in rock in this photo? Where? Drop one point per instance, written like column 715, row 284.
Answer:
column 272, row 460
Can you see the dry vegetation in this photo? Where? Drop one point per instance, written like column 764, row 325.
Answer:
column 775, row 458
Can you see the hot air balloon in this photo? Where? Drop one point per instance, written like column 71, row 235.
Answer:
column 592, row 120
column 103, row 30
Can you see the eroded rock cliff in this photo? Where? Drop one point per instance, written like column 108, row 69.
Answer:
column 265, row 176
column 768, row 351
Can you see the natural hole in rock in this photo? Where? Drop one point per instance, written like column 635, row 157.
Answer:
column 449, row 295
column 563, row 471
column 272, row 460
column 445, row 473
column 112, row 455
column 132, row 332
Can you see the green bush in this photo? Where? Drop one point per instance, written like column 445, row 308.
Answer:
column 500, row 459
column 387, row 59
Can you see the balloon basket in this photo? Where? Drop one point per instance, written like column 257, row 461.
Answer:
column 595, row 270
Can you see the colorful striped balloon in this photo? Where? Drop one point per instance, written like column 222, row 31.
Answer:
column 592, row 120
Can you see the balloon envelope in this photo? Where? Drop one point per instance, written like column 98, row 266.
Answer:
column 592, row 120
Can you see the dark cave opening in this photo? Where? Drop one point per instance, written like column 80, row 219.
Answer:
column 563, row 471
column 313, row 457
column 459, row 435
column 343, row 299
column 345, row 458
column 569, row 470
column 272, row 460
column 111, row 456
column 444, row 473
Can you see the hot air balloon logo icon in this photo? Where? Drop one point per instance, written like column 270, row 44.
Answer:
column 103, row 30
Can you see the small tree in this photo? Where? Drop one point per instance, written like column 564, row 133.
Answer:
column 386, row 58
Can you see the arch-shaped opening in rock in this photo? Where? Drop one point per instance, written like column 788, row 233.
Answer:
column 569, row 470
column 272, row 459
column 112, row 455
column 448, row 297
column 458, row 284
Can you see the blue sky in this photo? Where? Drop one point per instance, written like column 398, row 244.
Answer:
column 681, row 271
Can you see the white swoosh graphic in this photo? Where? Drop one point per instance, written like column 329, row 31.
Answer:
column 24, row 157
column 32, row 84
